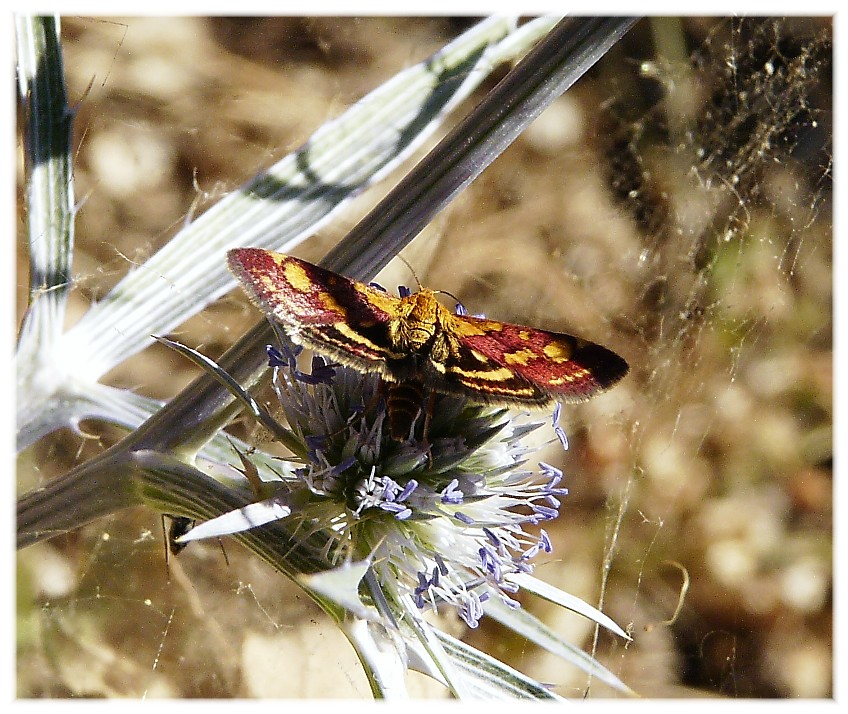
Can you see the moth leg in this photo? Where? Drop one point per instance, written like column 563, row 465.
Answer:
column 429, row 408
column 378, row 396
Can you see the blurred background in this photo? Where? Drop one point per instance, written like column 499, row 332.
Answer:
column 675, row 206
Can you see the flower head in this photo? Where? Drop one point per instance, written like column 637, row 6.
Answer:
column 446, row 518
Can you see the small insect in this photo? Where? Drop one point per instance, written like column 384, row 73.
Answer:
column 180, row 525
column 419, row 346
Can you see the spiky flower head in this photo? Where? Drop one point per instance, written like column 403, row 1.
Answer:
column 447, row 518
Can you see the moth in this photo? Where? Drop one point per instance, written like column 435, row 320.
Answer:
column 417, row 345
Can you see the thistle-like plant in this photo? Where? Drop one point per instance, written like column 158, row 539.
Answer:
column 374, row 531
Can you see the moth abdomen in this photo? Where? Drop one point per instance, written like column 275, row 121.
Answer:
column 404, row 403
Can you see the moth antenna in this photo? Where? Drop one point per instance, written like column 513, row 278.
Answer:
column 445, row 292
column 449, row 294
column 411, row 270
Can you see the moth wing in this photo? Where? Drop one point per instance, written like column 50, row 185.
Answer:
column 342, row 318
column 517, row 364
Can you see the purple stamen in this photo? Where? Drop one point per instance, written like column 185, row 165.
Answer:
column 552, row 472
column 451, row 494
column 493, row 539
column 547, row 514
column 545, row 541
column 400, row 511
column 408, row 489
column 558, row 430
column 344, row 465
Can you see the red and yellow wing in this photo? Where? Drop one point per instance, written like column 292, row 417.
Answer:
column 339, row 317
column 484, row 360
column 508, row 363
